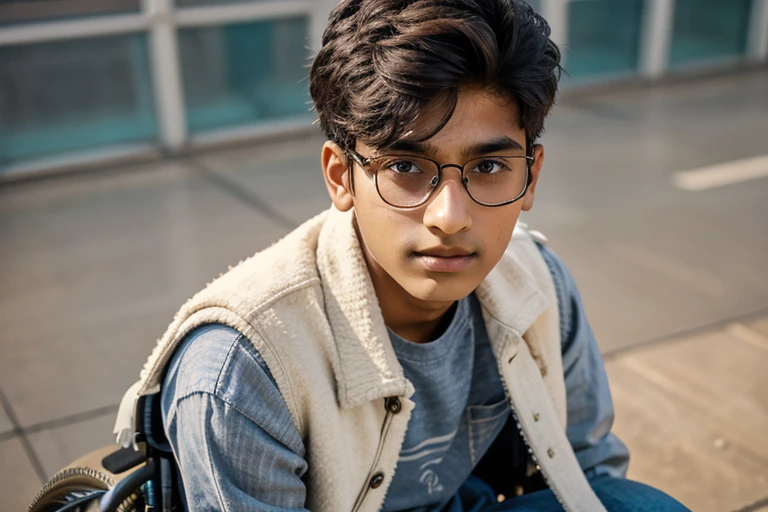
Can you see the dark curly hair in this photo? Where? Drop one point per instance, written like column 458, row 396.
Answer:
column 383, row 61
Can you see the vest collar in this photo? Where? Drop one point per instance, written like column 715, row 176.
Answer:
column 509, row 294
column 367, row 368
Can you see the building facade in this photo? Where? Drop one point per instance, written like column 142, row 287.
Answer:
column 94, row 80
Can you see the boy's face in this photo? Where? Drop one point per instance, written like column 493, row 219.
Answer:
column 440, row 251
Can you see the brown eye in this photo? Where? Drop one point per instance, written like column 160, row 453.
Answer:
column 403, row 167
column 488, row 167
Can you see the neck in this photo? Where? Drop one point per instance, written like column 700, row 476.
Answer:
column 416, row 326
column 412, row 319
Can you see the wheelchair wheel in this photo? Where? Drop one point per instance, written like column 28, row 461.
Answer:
column 80, row 487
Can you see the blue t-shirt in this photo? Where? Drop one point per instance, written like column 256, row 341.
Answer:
column 460, row 409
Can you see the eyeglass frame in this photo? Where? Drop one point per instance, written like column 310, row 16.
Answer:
column 365, row 162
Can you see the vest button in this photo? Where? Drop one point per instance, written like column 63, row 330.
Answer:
column 393, row 404
column 376, row 481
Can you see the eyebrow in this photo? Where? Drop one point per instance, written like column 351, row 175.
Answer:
column 409, row 146
column 502, row 143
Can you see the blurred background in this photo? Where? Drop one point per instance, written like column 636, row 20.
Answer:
column 85, row 80
column 147, row 145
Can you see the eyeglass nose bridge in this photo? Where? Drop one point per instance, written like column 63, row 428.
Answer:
column 437, row 178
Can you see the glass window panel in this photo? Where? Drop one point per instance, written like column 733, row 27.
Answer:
column 74, row 95
column 604, row 37
column 194, row 3
column 536, row 4
column 707, row 29
column 245, row 73
column 16, row 11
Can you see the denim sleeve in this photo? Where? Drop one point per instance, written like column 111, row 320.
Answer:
column 590, row 407
column 232, row 435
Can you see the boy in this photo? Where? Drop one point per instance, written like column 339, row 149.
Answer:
column 410, row 348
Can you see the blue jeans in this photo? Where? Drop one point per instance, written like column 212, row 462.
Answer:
column 617, row 495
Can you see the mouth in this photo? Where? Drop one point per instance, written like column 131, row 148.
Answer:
column 445, row 259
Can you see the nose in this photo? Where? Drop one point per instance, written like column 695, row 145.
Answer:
column 449, row 209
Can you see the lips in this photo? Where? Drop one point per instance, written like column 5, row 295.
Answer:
column 445, row 252
column 445, row 259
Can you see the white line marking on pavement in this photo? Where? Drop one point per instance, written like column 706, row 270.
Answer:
column 744, row 333
column 720, row 175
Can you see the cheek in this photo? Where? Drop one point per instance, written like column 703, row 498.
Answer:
column 498, row 230
column 385, row 232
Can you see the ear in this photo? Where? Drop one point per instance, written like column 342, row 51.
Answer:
column 336, row 176
column 536, row 166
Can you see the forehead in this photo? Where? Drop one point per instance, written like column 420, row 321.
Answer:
column 481, row 116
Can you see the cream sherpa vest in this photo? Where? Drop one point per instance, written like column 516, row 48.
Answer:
column 308, row 305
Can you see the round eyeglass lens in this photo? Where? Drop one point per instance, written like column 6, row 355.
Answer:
column 405, row 181
column 496, row 180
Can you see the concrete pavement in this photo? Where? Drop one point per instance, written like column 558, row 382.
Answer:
column 92, row 267
column 693, row 410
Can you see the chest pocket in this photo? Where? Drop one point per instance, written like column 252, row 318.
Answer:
column 484, row 424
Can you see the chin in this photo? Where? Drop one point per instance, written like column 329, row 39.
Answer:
column 431, row 290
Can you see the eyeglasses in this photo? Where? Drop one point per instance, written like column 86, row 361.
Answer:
column 405, row 181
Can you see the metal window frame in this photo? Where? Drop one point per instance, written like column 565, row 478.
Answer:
column 556, row 14
column 657, row 37
column 49, row 31
column 166, row 73
column 160, row 20
column 656, row 34
column 757, row 48
column 241, row 12
column 320, row 13
column 49, row 165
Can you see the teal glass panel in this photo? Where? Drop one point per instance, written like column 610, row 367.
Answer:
column 536, row 4
column 23, row 11
column 604, row 37
column 709, row 29
column 74, row 95
column 245, row 73
column 194, row 3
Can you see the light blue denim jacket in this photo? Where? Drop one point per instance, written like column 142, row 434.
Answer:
column 238, row 448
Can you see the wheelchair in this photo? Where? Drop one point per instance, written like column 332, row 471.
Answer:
column 141, row 477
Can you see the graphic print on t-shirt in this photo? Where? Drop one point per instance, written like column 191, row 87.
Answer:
column 459, row 409
column 432, row 452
